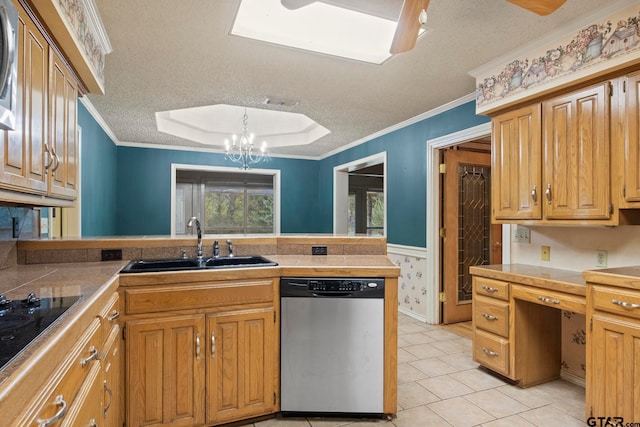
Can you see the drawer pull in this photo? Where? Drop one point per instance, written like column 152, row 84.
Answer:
column 94, row 356
column 625, row 304
column 198, row 345
column 489, row 288
column 549, row 300
column 489, row 317
column 110, row 393
column 489, row 352
column 213, row 346
column 93, row 423
column 548, row 193
column 114, row 316
column 59, row 401
column 534, row 195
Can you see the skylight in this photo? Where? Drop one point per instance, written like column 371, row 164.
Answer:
column 318, row 27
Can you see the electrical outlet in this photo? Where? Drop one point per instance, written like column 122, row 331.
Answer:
column 111, row 254
column 545, row 253
column 601, row 259
column 520, row 234
column 318, row 250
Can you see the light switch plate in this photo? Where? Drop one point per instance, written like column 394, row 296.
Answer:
column 545, row 253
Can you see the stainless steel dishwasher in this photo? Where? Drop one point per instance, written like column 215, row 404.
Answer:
column 332, row 346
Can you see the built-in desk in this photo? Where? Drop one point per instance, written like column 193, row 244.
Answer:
column 517, row 319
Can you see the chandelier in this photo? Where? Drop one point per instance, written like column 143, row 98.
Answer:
column 242, row 150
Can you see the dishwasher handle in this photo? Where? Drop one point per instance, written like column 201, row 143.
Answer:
column 331, row 294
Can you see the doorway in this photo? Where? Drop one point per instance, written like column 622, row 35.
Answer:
column 468, row 237
column 360, row 196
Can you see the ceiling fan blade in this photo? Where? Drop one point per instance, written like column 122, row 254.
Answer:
column 296, row 4
column 408, row 26
column 541, row 7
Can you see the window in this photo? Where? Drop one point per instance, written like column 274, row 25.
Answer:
column 225, row 202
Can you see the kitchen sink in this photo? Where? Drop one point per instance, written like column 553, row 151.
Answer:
column 239, row 261
column 182, row 264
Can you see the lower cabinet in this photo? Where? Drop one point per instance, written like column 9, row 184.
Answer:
column 202, row 365
column 240, row 365
column 613, row 379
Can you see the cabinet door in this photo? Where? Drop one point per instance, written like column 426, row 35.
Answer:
column 615, row 387
column 63, row 94
column 632, row 140
column 516, row 164
column 165, row 371
column 576, row 155
column 22, row 160
column 240, row 366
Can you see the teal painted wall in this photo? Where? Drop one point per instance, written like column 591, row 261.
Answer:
column 143, row 204
column 126, row 190
column 98, row 178
column 406, row 172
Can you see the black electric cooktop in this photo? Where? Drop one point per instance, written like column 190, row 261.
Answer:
column 21, row 321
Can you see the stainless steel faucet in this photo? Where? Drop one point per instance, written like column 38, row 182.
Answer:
column 199, row 256
column 230, row 248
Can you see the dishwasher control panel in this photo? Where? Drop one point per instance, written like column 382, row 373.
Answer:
column 344, row 287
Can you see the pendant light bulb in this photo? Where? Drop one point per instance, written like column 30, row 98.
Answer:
column 423, row 17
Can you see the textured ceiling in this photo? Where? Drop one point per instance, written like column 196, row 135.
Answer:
column 171, row 54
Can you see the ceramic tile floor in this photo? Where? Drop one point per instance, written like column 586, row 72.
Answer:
column 439, row 385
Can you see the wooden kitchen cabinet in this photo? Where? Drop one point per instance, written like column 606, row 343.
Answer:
column 631, row 178
column 576, row 160
column 613, row 344
column 202, row 352
column 551, row 161
column 39, row 159
column 491, row 324
column 240, row 365
column 165, row 371
column 516, row 163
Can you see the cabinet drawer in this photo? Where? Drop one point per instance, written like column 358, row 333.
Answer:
column 491, row 351
column 491, row 315
column 617, row 301
column 67, row 381
column 109, row 315
column 560, row 300
column 490, row 287
column 182, row 297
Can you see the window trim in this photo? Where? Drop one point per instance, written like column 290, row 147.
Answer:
column 206, row 168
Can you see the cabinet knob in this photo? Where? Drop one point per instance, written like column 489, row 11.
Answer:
column 548, row 193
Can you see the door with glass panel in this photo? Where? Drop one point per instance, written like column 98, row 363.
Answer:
column 468, row 237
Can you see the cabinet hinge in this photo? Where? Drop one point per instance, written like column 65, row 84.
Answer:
column 274, row 397
column 610, row 89
column 624, row 190
column 443, row 232
column 624, row 86
column 124, row 334
column 443, row 297
column 274, row 316
column 443, row 168
column 611, row 208
column 591, row 325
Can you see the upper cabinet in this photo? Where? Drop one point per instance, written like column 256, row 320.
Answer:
column 556, row 161
column 39, row 159
column 575, row 130
column 517, row 164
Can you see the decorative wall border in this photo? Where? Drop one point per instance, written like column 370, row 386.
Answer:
column 607, row 40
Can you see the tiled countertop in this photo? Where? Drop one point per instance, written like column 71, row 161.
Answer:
column 568, row 281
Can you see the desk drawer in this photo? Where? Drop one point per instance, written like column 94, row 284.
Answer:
column 617, row 301
column 491, row 288
column 560, row 300
column 491, row 351
column 491, row 315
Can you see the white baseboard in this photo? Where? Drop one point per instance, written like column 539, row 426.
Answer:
column 573, row 378
column 412, row 314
